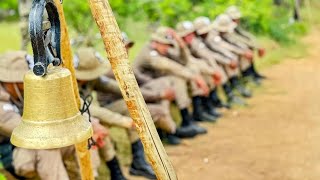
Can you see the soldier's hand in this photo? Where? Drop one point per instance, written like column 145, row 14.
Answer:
column 233, row 64
column 261, row 52
column 248, row 55
column 99, row 132
column 216, row 78
column 177, row 38
column 201, row 83
column 168, row 94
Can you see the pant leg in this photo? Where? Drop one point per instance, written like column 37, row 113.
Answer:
column 160, row 113
column 71, row 162
column 107, row 152
column 95, row 161
column 244, row 64
column 181, row 89
column 48, row 164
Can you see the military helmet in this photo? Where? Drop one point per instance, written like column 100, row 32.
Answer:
column 233, row 12
column 184, row 28
column 125, row 39
column 89, row 65
column 13, row 66
column 202, row 25
column 223, row 23
column 162, row 36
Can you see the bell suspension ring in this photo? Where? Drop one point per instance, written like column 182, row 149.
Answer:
column 45, row 36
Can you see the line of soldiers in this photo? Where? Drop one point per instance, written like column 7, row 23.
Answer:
column 185, row 66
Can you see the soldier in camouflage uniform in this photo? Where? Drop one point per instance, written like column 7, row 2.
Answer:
column 20, row 162
column 248, row 39
column 24, row 10
column 199, row 49
column 215, row 43
column 90, row 69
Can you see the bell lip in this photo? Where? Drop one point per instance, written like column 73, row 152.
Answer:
column 77, row 136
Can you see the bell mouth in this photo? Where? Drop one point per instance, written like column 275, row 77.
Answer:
column 52, row 134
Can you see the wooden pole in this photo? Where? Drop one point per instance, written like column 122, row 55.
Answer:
column 118, row 58
column 66, row 53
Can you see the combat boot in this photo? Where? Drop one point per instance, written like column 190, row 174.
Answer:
column 172, row 139
column 139, row 165
column 236, row 85
column 209, row 108
column 199, row 114
column 168, row 138
column 115, row 170
column 188, row 123
column 216, row 100
column 232, row 99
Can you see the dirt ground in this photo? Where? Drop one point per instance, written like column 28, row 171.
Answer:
column 275, row 138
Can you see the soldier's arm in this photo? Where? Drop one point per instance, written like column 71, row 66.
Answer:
column 201, row 65
column 9, row 119
column 149, row 95
column 107, row 85
column 165, row 64
column 110, row 118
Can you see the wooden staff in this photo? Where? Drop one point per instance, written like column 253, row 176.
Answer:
column 118, row 58
column 66, row 53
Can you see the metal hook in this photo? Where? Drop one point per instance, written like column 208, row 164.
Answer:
column 45, row 36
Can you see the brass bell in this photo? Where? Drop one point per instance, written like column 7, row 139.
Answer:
column 51, row 118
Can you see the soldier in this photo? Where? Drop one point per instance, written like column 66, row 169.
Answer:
column 90, row 69
column 187, row 31
column 24, row 10
column 246, row 38
column 182, row 55
column 215, row 43
column 20, row 162
column 152, row 66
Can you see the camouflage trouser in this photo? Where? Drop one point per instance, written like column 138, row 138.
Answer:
column 105, row 154
column 47, row 164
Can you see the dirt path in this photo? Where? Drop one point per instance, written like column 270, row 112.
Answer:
column 276, row 138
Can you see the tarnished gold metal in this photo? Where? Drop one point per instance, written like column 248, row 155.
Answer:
column 51, row 118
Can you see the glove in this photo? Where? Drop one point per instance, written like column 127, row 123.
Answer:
column 169, row 94
column 261, row 52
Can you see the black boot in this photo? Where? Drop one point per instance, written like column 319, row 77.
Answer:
column 216, row 101
column 236, row 85
column 188, row 125
column 172, row 139
column 255, row 72
column 115, row 170
column 168, row 138
column 139, row 165
column 209, row 108
column 232, row 99
column 199, row 114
